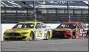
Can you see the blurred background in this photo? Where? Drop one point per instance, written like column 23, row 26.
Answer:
column 45, row 11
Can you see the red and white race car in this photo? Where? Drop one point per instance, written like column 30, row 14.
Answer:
column 69, row 30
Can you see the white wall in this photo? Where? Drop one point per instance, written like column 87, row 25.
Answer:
column 9, row 26
column 5, row 27
column 53, row 26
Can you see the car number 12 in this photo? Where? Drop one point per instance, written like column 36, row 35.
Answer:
column 39, row 34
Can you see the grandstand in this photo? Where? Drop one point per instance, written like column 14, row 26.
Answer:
column 46, row 11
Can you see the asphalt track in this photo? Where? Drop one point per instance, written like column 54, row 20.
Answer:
column 46, row 45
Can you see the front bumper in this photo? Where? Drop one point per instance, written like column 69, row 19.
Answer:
column 58, row 34
column 62, row 34
column 15, row 37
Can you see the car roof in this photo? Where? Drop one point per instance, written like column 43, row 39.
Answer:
column 72, row 22
column 31, row 22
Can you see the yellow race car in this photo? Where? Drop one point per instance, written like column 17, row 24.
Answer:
column 29, row 30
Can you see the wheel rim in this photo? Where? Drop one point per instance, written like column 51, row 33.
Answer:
column 31, row 36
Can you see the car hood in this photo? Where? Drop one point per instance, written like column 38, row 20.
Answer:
column 63, row 29
column 18, row 30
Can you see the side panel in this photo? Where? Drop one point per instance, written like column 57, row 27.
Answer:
column 39, row 34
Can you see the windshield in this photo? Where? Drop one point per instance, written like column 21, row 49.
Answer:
column 29, row 25
column 66, row 26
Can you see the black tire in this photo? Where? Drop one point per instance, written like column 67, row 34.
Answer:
column 73, row 35
column 31, row 36
column 87, row 34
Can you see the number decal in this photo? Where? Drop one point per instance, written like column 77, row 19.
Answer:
column 39, row 34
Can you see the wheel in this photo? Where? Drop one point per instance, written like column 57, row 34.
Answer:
column 87, row 34
column 31, row 36
column 47, row 36
column 69, row 36
column 73, row 35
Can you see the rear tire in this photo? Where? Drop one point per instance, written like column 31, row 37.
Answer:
column 87, row 35
column 47, row 36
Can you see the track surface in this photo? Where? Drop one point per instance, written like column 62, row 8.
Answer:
column 46, row 45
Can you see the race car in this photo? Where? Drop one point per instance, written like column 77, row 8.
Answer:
column 29, row 30
column 68, row 30
column 85, row 29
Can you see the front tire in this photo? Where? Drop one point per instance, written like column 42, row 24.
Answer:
column 31, row 36
column 73, row 35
